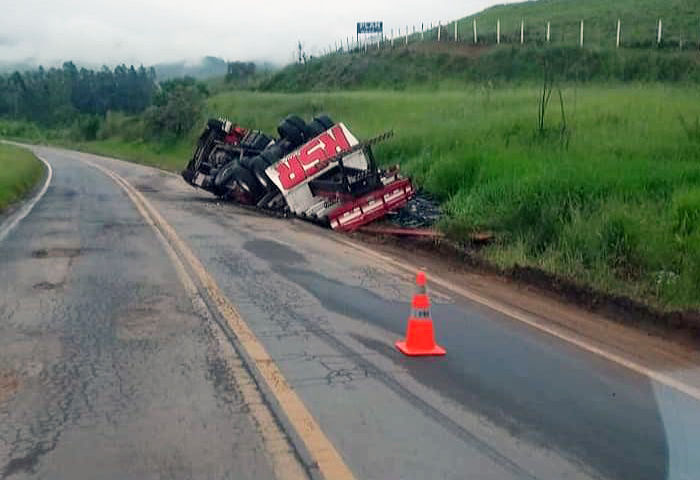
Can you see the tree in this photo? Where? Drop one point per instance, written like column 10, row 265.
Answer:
column 177, row 107
column 240, row 72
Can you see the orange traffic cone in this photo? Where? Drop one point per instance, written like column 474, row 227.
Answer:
column 420, row 338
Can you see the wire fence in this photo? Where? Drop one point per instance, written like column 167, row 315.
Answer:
column 654, row 33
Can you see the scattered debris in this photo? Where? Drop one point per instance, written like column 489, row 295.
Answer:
column 421, row 211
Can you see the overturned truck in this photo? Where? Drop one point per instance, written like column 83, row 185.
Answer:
column 318, row 171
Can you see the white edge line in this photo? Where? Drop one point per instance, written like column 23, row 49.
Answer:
column 531, row 320
column 510, row 312
column 27, row 207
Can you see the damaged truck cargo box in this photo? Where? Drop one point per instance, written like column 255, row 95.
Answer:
column 318, row 171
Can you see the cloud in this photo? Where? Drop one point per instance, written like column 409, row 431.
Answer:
column 152, row 31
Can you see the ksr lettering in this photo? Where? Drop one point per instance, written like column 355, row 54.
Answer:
column 306, row 162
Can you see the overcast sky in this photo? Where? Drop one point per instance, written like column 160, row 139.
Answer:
column 153, row 31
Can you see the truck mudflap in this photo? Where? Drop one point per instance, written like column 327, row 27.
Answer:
column 352, row 215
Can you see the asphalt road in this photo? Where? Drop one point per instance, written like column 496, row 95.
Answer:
column 108, row 369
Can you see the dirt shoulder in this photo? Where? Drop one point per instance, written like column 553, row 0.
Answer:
column 632, row 325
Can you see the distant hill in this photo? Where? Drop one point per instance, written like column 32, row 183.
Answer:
column 9, row 67
column 428, row 63
column 207, row 67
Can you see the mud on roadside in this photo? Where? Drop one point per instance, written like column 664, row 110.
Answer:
column 682, row 326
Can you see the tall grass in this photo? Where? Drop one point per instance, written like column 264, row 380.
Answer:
column 616, row 206
column 20, row 171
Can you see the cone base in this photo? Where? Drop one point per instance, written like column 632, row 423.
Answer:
column 437, row 350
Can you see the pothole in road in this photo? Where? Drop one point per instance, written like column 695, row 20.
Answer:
column 9, row 384
column 154, row 319
column 47, row 286
column 137, row 324
column 56, row 252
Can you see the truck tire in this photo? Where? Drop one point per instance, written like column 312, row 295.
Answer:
column 260, row 164
column 225, row 175
column 237, row 183
column 272, row 154
column 319, row 125
column 293, row 129
column 247, row 162
column 325, row 121
column 255, row 140
column 248, row 182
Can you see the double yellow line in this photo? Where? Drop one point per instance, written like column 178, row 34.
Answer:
column 323, row 455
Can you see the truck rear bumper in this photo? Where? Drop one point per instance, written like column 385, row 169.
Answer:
column 352, row 215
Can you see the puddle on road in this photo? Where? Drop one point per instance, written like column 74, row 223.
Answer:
column 274, row 252
column 353, row 301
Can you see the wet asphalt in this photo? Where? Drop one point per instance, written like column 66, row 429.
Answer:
column 113, row 365
column 108, row 371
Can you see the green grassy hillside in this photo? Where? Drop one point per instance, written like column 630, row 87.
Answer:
column 681, row 19
column 429, row 63
column 434, row 66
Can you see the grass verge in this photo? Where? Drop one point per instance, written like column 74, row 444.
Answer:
column 20, row 171
column 606, row 194
column 608, row 197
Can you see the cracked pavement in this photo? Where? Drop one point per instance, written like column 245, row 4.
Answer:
column 106, row 370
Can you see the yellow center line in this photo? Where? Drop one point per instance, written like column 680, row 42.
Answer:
column 330, row 463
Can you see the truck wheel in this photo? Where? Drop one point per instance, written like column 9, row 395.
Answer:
column 272, row 154
column 293, row 129
column 319, row 125
column 255, row 140
column 314, row 129
column 247, row 162
column 246, row 180
column 324, row 120
column 244, row 187
column 225, row 175
column 260, row 164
